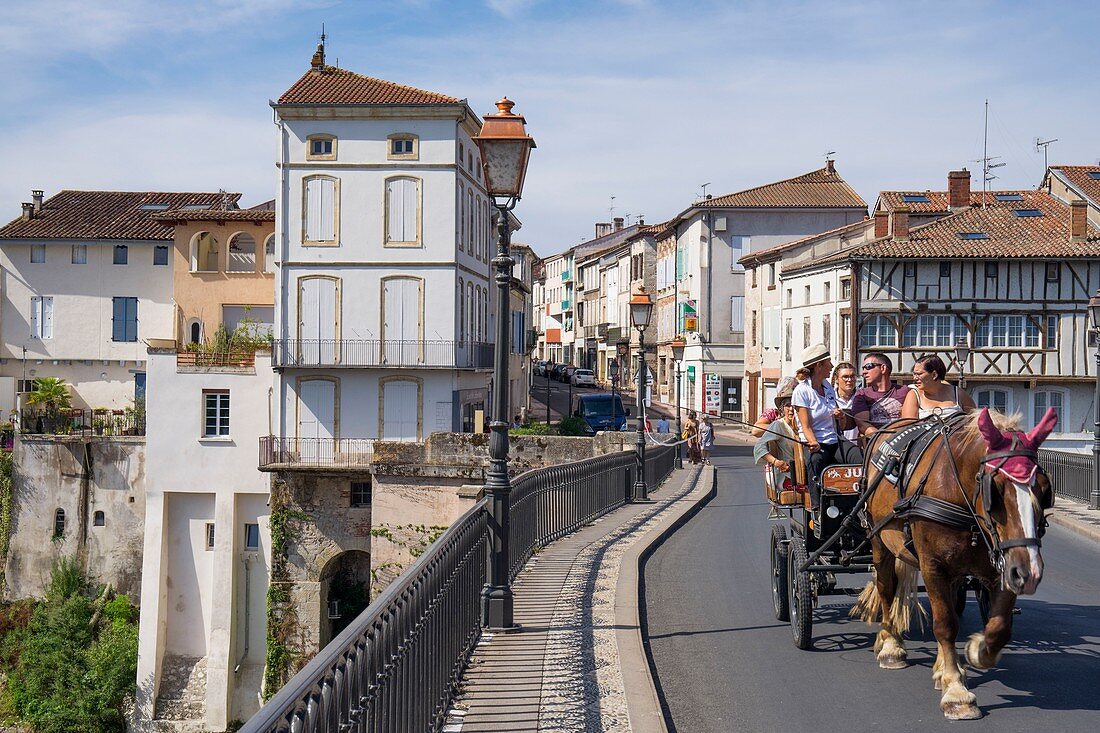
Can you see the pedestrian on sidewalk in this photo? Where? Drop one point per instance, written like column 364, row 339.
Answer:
column 662, row 425
column 706, row 438
column 691, row 436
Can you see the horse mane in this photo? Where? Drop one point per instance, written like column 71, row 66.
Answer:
column 1004, row 423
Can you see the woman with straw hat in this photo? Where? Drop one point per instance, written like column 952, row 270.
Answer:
column 816, row 410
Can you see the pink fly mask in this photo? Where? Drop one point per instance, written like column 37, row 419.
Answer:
column 1019, row 468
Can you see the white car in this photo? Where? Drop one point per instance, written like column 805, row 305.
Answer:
column 584, row 376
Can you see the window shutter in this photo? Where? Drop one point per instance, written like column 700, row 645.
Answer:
column 36, row 306
column 47, row 318
column 118, row 319
column 313, row 210
column 327, row 222
column 131, row 319
column 737, row 313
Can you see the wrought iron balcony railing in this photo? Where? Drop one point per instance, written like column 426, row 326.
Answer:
column 381, row 353
column 291, row 453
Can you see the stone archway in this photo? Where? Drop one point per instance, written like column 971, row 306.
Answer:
column 345, row 592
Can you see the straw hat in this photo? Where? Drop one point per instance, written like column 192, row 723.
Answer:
column 786, row 391
column 813, row 354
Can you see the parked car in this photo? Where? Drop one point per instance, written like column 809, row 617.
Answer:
column 584, row 377
column 600, row 411
column 540, row 368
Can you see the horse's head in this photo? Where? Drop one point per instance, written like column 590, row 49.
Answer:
column 1015, row 493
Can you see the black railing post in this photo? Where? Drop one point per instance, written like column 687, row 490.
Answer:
column 496, row 596
column 641, row 490
column 1094, row 497
column 679, row 423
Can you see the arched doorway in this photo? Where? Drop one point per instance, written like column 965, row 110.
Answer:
column 345, row 592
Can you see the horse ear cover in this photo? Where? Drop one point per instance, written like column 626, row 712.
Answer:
column 994, row 438
column 1040, row 432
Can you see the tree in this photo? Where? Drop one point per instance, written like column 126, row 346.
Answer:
column 51, row 393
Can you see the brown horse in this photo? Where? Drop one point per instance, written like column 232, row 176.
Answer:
column 987, row 470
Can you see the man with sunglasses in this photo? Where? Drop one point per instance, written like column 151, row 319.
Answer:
column 880, row 399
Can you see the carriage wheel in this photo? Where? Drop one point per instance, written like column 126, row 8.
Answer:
column 778, row 555
column 800, row 594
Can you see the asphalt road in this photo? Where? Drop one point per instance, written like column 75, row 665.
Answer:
column 725, row 664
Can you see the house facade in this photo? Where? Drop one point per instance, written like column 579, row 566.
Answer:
column 87, row 277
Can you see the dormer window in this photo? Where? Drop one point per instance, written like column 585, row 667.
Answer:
column 321, row 147
column 403, row 146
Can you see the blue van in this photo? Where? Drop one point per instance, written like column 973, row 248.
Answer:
column 600, row 411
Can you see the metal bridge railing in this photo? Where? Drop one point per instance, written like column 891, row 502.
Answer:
column 397, row 666
column 1071, row 474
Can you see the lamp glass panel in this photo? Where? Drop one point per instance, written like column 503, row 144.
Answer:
column 639, row 314
column 1094, row 311
column 505, row 161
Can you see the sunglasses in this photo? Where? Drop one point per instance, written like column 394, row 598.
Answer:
column 870, row 365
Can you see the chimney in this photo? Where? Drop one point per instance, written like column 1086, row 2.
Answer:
column 882, row 224
column 1078, row 220
column 318, row 61
column 958, row 189
column 899, row 223
column 829, row 167
column 36, row 197
column 602, row 229
column 28, row 211
column 618, row 223
column 641, row 220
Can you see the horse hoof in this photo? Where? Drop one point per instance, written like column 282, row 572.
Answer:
column 892, row 662
column 961, row 711
column 937, row 684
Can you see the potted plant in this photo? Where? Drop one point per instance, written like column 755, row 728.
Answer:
column 51, row 395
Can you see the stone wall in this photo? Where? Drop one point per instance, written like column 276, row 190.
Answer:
column 80, row 476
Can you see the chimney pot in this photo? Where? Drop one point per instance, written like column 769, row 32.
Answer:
column 882, row 224
column 958, row 189
column 603, row 228
column 28, row 211
column 36, row 197
column 829, row 166
column 899, row 223
column 618, row 223
column 1078, row 220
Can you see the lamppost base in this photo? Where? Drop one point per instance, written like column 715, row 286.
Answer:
column 496, row 609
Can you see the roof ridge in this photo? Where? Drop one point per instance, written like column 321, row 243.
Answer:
column 792, row 179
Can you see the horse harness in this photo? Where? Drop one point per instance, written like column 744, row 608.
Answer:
column 897, row 458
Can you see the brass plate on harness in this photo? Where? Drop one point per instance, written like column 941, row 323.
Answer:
column 842, row 479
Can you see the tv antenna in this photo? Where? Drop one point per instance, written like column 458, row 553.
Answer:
column 1044, row 144
column 829, row 155
column 986, row 160
column 704, row 187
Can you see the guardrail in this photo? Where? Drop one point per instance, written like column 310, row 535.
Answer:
column 81, row 422
column 276, row 452
column 382, row 353
column 231, row 358
column 1071, row 474
column 397, row 666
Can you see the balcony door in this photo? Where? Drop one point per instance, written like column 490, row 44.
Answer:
column 401, row 405
column 402, row 321
column 318, row 320
column 316, row 419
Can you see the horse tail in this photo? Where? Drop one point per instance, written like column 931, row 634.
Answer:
column 869, row 607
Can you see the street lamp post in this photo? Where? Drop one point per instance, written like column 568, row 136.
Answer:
column 505, row 147
column 1094, row 321
column 678, row 345
column 962, row 354
column 621, row 347
column 641, row 308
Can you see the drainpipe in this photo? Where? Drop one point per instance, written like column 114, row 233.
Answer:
column 710, row 273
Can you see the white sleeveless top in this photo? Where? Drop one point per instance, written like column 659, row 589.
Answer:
column 942, row 411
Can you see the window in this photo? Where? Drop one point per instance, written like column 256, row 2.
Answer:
column 972, row 235
column 910, row 269
column 1027, row 212
column 216, row 413
column 945, row 269
column 828, row 292
column 753, row 328
column 754, row 277
column 826, row 331
column 153, row 207
column 42, row 317
column 403, row 212
column 242, row 253
column 124, row 319
column 1007, row 332
column 269, row 254
column 1052, row 332
column 805, row 332
column 932, row 330
column 1094, row 175
column 914, row 198
column 787, row 340
column 59, row 524
column 1053, row 272
column 204, row 253
column 737, row 312
column 991, row 269
column 160, row 255
column 321, row 147
column 994, row 399
column 846, row 289
column 790, row 297
column 845, row 334
column 404, row 147
column 122, row 254
column 771, row 275
column 807, row 295
column 209, row 535
column 360, row 493
column 321, row 194
column 739, row 245
column 38, row 254
column 196, row 332
column 1008, row 197
column 877, row 331
column 251, row 536
column 1044, row 399
column 80, row 254
column 98, row 519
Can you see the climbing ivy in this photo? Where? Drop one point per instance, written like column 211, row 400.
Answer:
column 5, row 510
column 282, row 619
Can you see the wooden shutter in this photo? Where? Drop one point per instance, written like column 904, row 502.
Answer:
column 401, row 200
column 320, row 210
column 47, row 317
column 36, row 307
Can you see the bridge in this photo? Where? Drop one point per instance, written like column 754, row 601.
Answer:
column 642, row 617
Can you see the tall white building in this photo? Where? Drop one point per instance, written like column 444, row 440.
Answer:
column 383, row 301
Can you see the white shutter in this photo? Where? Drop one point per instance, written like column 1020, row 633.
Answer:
column 36, row 306
column 328, row 210
column 399, row 410
column 737, row 312
column 409, row 210
column 313, row 210
column 401, row 200
column 47, row 318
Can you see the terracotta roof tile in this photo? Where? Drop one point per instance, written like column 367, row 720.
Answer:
column 820, row 189
column 107, row 215
column 760, row 255
column 332, row 85
column 215, row 215
column 1085, row 178
column 1006, row 234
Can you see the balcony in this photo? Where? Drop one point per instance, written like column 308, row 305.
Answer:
column 381, row 354
column 278, row 454
column 566, row 276
column 65, row 421
column 567, row 305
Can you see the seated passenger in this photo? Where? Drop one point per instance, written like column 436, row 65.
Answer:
column 770, row 415
column 931, row 395
column 775, row 448
column 844, row 382
column 879, row 402
column 816, row 411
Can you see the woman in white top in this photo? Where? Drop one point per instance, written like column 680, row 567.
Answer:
column 816, row 409
column 931, row 395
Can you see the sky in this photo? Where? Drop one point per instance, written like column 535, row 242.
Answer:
column 640, row 100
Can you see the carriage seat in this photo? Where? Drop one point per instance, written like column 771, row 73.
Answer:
column 898, row 455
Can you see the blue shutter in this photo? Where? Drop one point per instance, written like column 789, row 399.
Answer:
column 131, row 319
column 118, row 319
